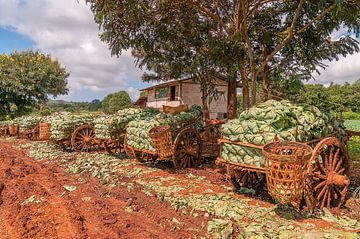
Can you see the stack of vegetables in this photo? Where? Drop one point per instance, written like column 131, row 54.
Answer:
column 28, row 122
column 137, row 130
column 106, row 126
column 260, row 124
column 64, row 123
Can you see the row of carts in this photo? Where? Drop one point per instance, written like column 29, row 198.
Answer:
column 188, row 146
column 322, row 181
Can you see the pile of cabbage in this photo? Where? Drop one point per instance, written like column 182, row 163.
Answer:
column 260, row 124
column 28, row 122
column 64, row 123
column 137, row 131
column 109, row 125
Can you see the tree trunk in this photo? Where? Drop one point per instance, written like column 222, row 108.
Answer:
column 205, row 105
column 245, row 89
column 253, row 89
column 232, row 99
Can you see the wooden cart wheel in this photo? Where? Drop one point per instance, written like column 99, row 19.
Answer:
column 214, row 133
column 243, row 178
column 187, row 148
column 65, row 144
column 131, row 153
column 328, row 174
column 115, row 145
column 35, row 133
column 83, row 138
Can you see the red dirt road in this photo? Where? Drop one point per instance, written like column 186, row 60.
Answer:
column 35, row 204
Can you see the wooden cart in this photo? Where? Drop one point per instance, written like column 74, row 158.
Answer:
column 31, row 134
column 327, row 174
column 83, row 139
column 4, row 131
column 188, row 146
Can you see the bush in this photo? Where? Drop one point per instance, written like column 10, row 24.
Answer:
column 116, row 101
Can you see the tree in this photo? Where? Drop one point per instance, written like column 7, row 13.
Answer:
column 94, row 105
column 27, row 79
column 316, row 95
column 116, row 101
column 248, row 40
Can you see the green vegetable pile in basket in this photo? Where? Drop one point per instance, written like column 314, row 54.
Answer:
column 137, row 130
column 27, row 122
column 260, row 124
column 64, row 123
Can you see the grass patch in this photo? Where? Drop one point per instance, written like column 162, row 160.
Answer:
column 354, row 148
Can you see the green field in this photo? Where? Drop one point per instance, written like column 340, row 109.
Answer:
column 354, row 143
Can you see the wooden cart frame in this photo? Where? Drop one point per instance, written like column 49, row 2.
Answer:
column 327, row 175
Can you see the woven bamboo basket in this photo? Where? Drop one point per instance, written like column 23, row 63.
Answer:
column 162, row 141
column 44, row 131
column 286, row 166
column 13, row 129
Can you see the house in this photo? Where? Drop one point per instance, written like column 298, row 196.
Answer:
column 185, row 91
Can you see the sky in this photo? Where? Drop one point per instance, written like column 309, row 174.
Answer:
column 67, row 31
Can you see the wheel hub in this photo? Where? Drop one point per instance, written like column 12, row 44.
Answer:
column 337, row 179
column 87, row 139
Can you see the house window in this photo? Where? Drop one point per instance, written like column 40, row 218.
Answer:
column 162, row 92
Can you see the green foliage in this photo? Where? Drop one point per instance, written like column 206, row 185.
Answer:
column 315, row 95
column 349, row 115
column 143, row 93
column 116, row 101
column 181, row 38
column 60, row 106
column 352, row 125
column 94, row 105
column 354, row 148
column 27, row 79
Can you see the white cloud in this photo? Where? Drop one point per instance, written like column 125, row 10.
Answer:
column 346, row 69
column 67, row 31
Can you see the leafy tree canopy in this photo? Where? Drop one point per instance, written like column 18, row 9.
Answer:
column 249, row 40
column 27, row 79
column 116, row 101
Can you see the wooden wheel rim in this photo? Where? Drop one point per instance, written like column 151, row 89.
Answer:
column 131, row 153
column 115, row 146
column 82, row 139
column 328, row 173
column 244, row 178
column 187, row 148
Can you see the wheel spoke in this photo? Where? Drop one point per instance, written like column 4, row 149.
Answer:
column 321, row 192
column 330, row 156
column 335, row 158
column 339, row 164
column 324, row 197
column 341, row 171
column 320, row 185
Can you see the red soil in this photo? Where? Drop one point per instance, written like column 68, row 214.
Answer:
column 87, row 212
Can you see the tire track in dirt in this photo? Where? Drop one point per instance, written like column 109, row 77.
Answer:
column 46, row 214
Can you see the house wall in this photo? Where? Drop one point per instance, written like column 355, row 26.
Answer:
column 190, row 94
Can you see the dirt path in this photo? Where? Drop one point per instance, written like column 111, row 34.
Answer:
column 35, row 204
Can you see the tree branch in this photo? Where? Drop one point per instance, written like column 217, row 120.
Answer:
column 318, row 17
column 286, row 39
column 207, row 12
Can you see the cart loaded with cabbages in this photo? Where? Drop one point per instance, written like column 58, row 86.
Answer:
column 297, row 150
column 91, row 132
column 180, row 137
